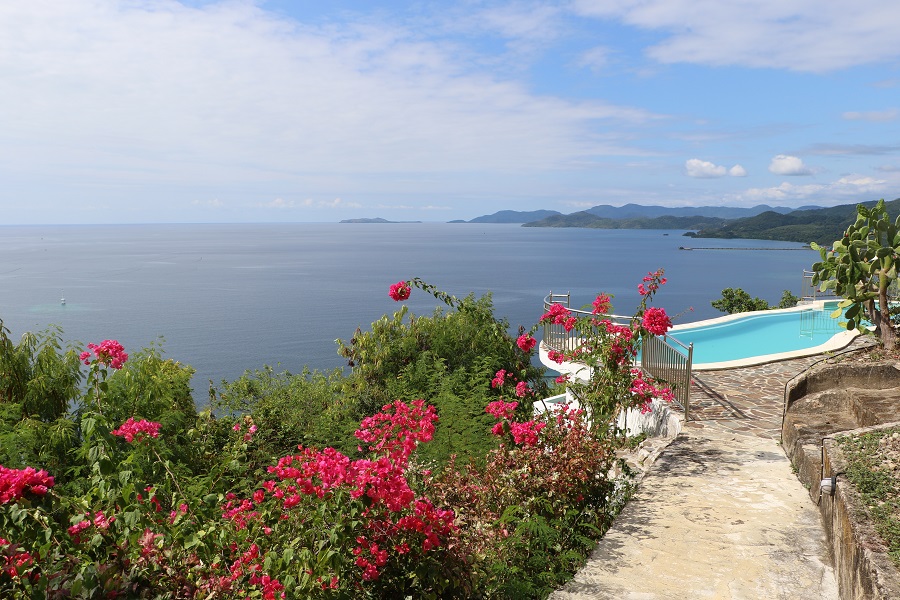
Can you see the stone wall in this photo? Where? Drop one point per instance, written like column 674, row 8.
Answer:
column 823, row 402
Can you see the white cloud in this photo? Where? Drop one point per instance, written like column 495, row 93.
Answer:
column 800, row 35
column 278, row 203
column 531, row 20
column 703, row 169
column 877, row 116
column 842, row 191
column 228, row 92
column 783, row 164
column 214, row 203
column 281, row 203
column 595, row 59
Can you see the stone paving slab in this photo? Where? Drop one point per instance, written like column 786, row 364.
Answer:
column 720, row 514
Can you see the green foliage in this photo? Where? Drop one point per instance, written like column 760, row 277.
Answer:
column 861, row 267
column 736, row 300
column 788, row 300
column 531, row 514
column 38, row 381
column 305, row 409
column 204, row 511
column 38, row 374
column 448, row 358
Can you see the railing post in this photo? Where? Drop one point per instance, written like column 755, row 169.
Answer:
column 690, row 368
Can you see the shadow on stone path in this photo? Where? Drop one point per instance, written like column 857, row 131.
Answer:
column 720, row 514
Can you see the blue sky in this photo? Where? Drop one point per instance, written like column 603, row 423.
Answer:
column 204, row 111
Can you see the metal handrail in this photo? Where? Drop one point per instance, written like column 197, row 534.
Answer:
column 549, row 300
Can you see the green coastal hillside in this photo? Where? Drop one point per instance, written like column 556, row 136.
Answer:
column 592, row 221
column 823, row 225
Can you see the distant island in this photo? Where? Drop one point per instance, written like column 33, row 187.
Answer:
column 375, row 220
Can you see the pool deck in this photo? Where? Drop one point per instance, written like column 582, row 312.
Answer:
column 719, row 513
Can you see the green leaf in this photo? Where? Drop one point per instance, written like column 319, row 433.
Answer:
column 106, row 466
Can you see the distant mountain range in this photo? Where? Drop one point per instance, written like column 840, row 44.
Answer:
column 822, row 225
column 590, row 220
column 805, row 224
column 635, row 211
column 513, row 216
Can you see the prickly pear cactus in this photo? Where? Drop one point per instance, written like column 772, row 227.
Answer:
column 860, row 268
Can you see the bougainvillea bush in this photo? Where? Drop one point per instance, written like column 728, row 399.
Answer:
column 126, row 516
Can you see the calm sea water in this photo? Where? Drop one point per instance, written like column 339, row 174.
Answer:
column 226, row 298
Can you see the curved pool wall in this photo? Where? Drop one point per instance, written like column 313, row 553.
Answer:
column 754, row 338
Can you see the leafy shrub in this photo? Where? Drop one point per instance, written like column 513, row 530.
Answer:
column 199, row 506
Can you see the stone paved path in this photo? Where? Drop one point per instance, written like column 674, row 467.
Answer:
column 720, row 514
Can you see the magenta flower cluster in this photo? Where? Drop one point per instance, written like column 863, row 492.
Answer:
column 12, row 560
column 522, row 433
column 392, row 507
column 653, row 281
column 136, row 430
column 108, row 352
column 646, row 391
column 602, row 304
column 15, row 483
column 399, row 291
column 656, row 321
column 501, row 410
column 559, row 315
column 526, row 343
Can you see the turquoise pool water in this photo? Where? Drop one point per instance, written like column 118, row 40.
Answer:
column 764, row 333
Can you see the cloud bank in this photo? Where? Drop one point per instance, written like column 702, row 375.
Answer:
column 788, row 165
column 703, row 169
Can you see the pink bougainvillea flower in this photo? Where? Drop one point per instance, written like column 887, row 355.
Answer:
column 499, row 378
column 601, row 304
column 557, row 314
column 526, row 433
column 526, row 343
column 131, row 430
column 399, row 291
column 109, row 352
column 522, row 389
column 501, row 410
column 656, row 321
column 557, row 357
column 15, row 483
column 653, row 281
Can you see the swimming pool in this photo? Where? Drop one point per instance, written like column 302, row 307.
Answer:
column 758, row 337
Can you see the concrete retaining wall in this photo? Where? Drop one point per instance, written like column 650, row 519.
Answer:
column 820, row 404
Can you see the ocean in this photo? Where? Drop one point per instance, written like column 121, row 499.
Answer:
column 225, row 298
